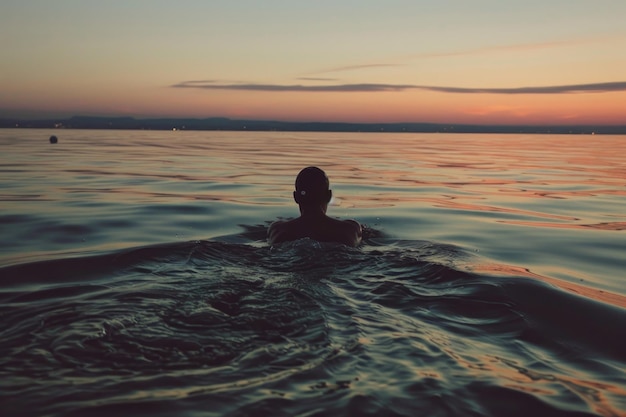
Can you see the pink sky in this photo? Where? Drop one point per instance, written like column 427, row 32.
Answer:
column 397, row 61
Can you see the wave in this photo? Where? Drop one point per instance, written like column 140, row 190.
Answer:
column 392, row 327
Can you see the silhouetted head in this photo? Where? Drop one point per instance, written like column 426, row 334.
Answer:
column 312, row 188
column 53, row 139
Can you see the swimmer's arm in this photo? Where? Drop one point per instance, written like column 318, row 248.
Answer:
column 275, row 232
column 357, row 236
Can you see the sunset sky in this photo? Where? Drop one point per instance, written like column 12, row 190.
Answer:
column 445, row 61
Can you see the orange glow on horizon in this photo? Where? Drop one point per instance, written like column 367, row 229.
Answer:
column 415, row 106
column 288, row 61
column 385, row 107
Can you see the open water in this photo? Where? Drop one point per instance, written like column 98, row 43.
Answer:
column 135, row 278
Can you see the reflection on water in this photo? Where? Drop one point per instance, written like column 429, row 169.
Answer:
column 302, row 327
column 490, row 281
column 555, row 197
column 392, row 328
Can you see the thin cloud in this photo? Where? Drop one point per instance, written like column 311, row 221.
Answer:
column 521, row 47
column 315, row 79
column 355, row 88
column 354, row 68
column 555, row 89
column 200, row 82
column 299, row 87
column 496, row 49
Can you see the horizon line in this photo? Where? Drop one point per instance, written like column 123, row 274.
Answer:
column 216, row 123
column 266, row 120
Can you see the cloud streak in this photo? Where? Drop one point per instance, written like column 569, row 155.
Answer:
column 356, row 67
column 298, row 87
column 523, row 47
column 503, row 48
column 606, row 87
column 316, row 79
column 554, row 89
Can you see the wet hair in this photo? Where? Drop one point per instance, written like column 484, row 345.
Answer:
column 312, row 186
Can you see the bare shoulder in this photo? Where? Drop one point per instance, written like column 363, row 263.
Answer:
column 352, row 231
column 354, row 224
column 277, row 224
column 277, row 231
column 327, row 229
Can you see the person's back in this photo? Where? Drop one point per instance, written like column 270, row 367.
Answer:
column 313, row 195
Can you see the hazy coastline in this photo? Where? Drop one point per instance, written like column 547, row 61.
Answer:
column 227, row 124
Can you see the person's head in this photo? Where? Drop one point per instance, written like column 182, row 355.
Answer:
column 312, row 188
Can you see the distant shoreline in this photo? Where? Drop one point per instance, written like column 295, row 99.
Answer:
column 226, row 124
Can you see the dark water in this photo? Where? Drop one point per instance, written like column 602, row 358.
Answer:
column 213, row 328
column 138, row 281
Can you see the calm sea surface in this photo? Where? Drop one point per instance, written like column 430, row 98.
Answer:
column 135, row 278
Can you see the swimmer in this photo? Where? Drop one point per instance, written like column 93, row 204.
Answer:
column 313, row 195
